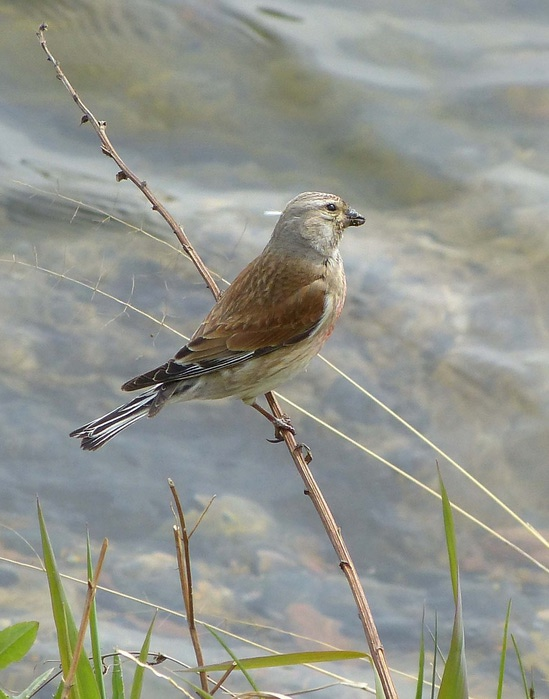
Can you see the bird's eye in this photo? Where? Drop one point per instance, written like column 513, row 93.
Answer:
column 331, row 207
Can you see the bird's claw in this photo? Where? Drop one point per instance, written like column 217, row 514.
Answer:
column 281, row 424
column 305, row 452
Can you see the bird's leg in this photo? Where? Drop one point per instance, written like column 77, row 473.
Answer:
column 280, row 423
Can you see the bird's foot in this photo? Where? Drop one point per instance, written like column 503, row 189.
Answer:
column 281, row 424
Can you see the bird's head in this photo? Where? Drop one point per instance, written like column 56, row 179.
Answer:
column 312, row 224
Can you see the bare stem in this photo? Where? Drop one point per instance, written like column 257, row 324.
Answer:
column 100, row 128
column 185, row 577
column 345, row 561
column 311, row 488
column 90, row 596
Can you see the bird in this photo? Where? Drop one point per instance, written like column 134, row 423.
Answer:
column 265, row 327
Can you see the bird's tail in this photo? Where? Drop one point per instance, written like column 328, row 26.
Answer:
column 98, row 432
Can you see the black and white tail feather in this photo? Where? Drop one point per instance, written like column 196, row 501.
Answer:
column 173, row 379
column 97, row 432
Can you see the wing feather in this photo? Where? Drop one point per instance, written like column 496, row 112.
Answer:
column 260, row 312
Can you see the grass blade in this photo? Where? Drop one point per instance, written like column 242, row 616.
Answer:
column 264, row 661
column 527, row 693
column 137, row 684
column 94, row 629
column 435, row 659
column 117, row 679
column 84, row 686
column 380, row 694
column 503, row 658
column 35, row 686
column 421, row 661
column 454, row 678
column 236, row 660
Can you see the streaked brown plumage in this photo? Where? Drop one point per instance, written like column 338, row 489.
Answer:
column 267, row 326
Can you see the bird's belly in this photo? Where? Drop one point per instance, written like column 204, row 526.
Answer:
column 253, row 377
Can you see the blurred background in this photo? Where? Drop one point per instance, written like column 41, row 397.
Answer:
column 431, row 120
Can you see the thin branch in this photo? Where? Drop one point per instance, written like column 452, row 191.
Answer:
column 311, row 488
column 201, row 516
column 90, row 595
column 100, row 128
column 345, row 561
column 186, row 580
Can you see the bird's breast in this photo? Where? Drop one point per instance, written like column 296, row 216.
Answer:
column 336, row 291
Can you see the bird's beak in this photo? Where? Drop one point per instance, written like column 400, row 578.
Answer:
column 354, row 218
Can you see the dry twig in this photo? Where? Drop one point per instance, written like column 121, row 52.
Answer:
column 311, row 488
column 185, row 577
column 90, row 596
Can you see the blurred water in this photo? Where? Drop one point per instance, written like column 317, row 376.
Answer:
column 429, row 120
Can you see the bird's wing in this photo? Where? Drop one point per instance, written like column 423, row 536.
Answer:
column 256, row 315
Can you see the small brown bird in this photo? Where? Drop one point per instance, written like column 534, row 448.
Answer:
column 266, row 327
